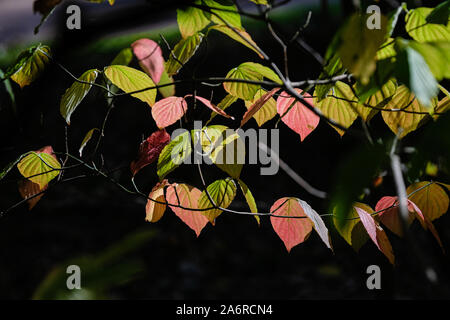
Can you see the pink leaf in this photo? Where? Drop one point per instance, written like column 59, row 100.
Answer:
column 187, row 196
column 150, row 149
column 168, row 110
column 292, row 231
column 211, row 106
column 376, row 233
column 150, row 57
column 258, row 105
column 299, row 118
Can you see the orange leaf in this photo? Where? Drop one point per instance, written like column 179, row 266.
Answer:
column 168, row 110
column 154, row 210
column 186, row 196
column 28, row 189
column 299, row 118
column 292, row 231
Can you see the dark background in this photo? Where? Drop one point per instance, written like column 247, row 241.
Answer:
column 234, row 259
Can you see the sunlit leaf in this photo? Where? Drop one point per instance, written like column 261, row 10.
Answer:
column 420, row 30
column 191, row 20
column 249, row 199
column 182, row 52
column 211, row 106
column 403, row 99
column 292, row 231
column 40, row 166
column 431, row 199
column 317, row 222
column 29, row 65
column 390, row 216
column 131, row 80
column 337, row 105
column 76, row 93
column 86, row 139
column 222, row 193
column 186, row 196
column 174, row 154
column 296, row 115
column 150, row 58
column 155, row 210
column 262, row 108
column 224, row 12
column 227, row 101
column 168, row 110
column 248, row 71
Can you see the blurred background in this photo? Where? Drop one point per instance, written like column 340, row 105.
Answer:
column 92, row 223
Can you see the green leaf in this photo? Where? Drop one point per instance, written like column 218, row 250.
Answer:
column 123, row 58
column 239, row 35
column 249, row 199
column 131, row 80
column 39, row 167
column 386, row 50
column 86, row 139
column 337, row 106
column 421, row 30
column 378, row 100
column 227, row 101
column 224, row 12
column 436, row 55
column 222, row 192
column 224, row 148
column 249, row 71
column 333, row 67
column 166, row 91
column 359, row 45
column 267, row 112
column 351, row 228
column 191, row 20
column 29, row 65
column 413, row 71
column 406, row 121
column 182, row 52
column 76, row 93
column 173, row 154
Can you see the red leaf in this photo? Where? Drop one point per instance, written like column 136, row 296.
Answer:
column 149, row 150
column 211, row 106
column 28, row 189
column 258, row 105
column 155, row 210
column 376, row 233
column 292, row 231
column 168, row 110
column 299, row 118
column 187, row 196
column 150, row 57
